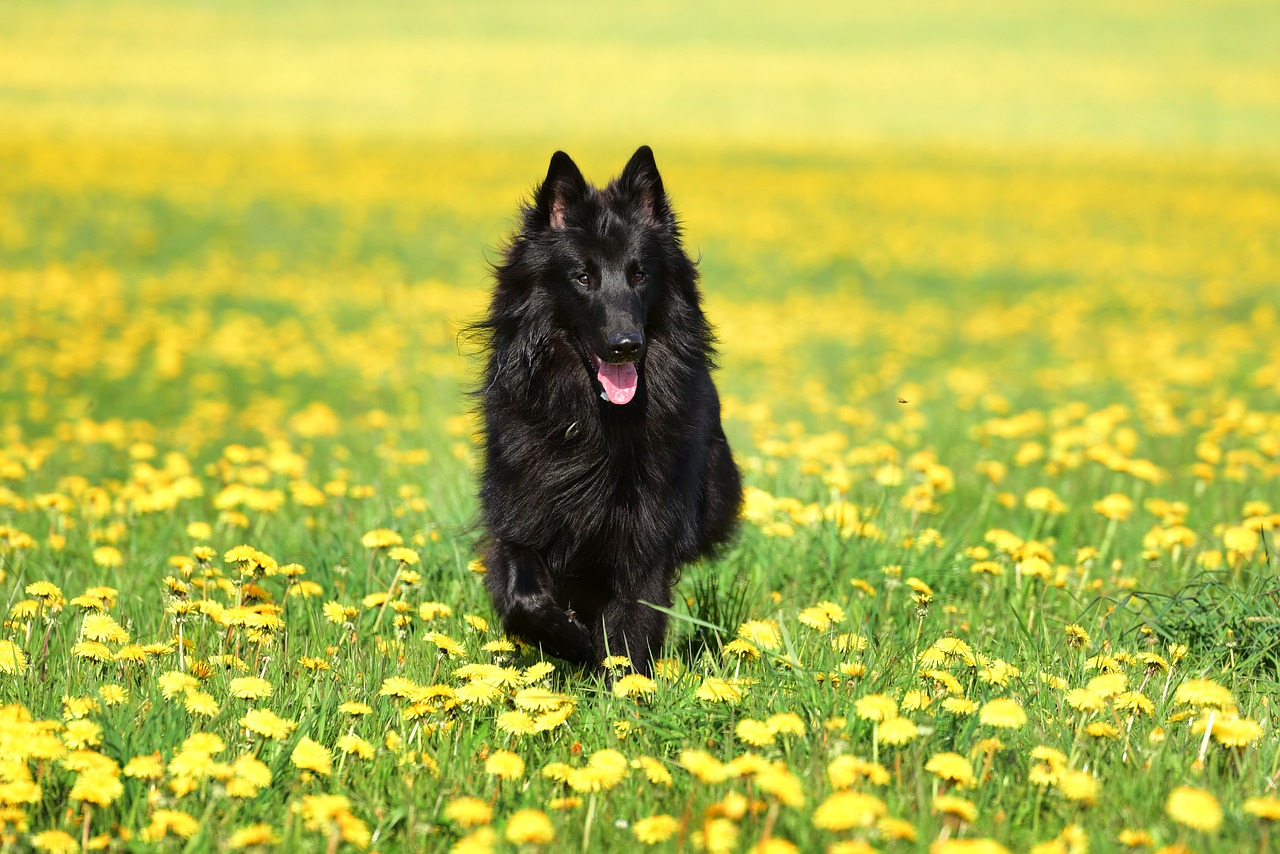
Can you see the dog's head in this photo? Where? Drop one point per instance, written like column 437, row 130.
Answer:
column 605, row 257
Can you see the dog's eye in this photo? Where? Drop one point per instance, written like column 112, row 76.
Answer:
column 637, row 277
column 582, row 279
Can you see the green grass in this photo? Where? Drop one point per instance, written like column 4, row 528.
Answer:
column 238, row 243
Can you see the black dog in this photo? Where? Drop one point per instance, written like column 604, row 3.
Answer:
column 606, row 468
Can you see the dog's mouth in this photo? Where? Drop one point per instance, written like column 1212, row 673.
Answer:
column 618, row 381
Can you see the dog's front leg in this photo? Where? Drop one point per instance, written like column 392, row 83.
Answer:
column 631, row 628
column 523, row 594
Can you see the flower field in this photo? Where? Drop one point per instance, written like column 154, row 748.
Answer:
column 1007, row 406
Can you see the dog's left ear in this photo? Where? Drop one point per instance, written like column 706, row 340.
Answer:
column 642, row 183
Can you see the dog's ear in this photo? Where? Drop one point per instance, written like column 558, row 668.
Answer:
column 564, row 186
column 642, row 183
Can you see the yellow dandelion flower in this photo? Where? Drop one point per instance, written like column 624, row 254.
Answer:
column 267, row 724
column 898, row 731
column 352, row 707
column 540, row 700
column 406, row 556
column 113, row 695
column 517, row 722
column 483, row 840
column 249, row 688
column 896, row 829
column 655, row 829
column 847, row 810
column 149, row 767
column 504, row 764
column 92, row 651
column 100, row 787
column 253, row 771
column 1232, row 731
column 468, row 812
column 80, row 734
column 337, row 613
column 46, row 591
column 135, row 654
column 956, row 806
column 634, row 685
column 1135, row 838
column 13, row 661
column 716, row 690
column 1264, row 808
column 101, row 627
column 953, row 767
column 654, row 770
column 1044, row 500
column 747, row 764
column 786, row 723
column 253, row 836
column 1102, row 729
column 354, row 745
column 755, row 733
column 397, row 686
column 961, row 706
column 200, row 704
column 1084, row 700
column 529, row 827
column 175, row 683
column 1076, row 635
column 704, row 766
column 108, row 557
column 55, row 842
column 821, row 616
column 1079, row 786
column 777, row 780
column 773, row 845
column 1241, row 541
column 374, row 600
column 742, row 649
column 381, row 538
column 876, row 707
column 478, row 694
column 1115, row 506
column 1004, row 713
column 1108, row 685
column 1135, row 702
column 1204, row 693
column 946, row 681
column 998, row 672
column 164, row 822
column 763, row 633
column 916, row 701
column 1194, row 808
column 717, row 836
column 446, row 644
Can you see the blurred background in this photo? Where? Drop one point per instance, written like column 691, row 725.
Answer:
column 1120, row 75
column 942, row 198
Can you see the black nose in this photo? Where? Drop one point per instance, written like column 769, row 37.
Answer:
column 625, row 346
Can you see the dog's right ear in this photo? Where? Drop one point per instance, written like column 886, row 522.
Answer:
column 564, row 186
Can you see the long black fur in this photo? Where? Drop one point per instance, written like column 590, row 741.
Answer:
column 591, row 507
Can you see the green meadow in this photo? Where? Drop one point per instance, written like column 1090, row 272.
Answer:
column 995, row 287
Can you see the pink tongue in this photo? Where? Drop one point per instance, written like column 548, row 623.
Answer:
column 619, row 381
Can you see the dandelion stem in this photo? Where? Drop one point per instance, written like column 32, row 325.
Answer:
column 1208, row 731
column 586, row 826
column 391, row 591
